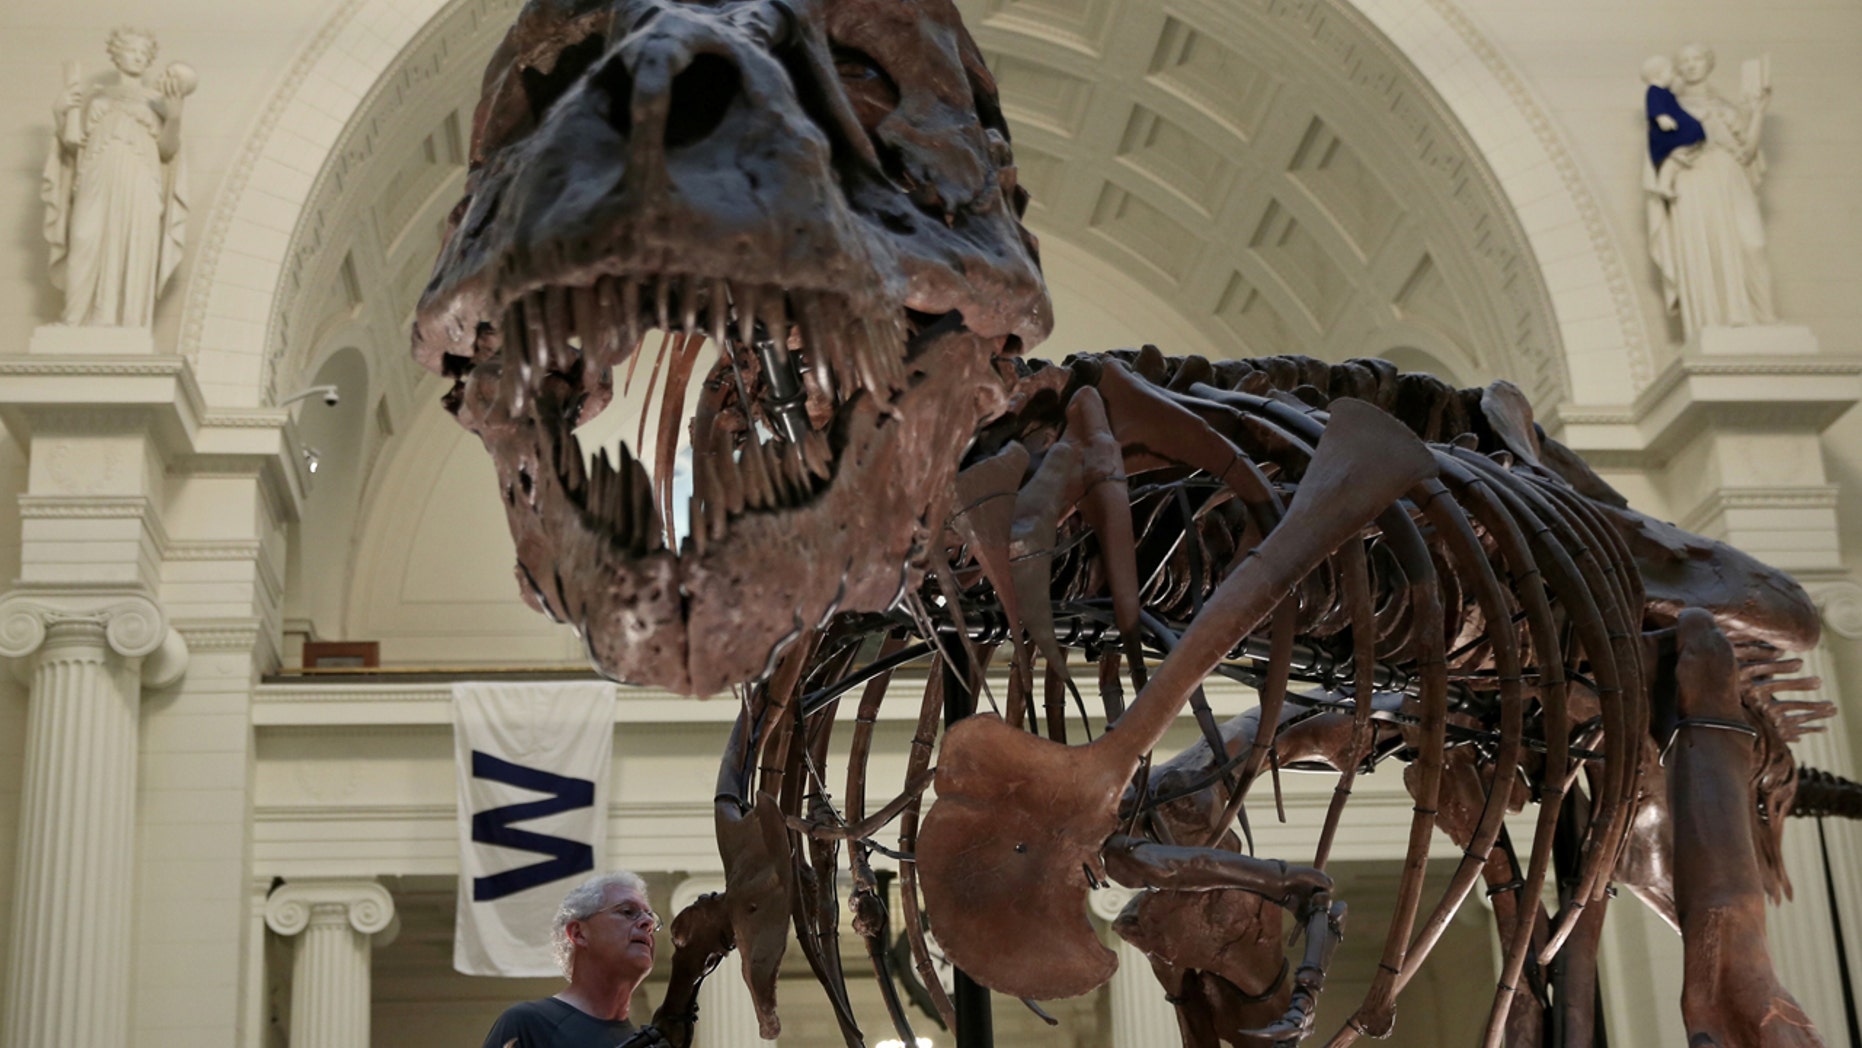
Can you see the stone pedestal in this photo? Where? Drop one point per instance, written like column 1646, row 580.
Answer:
column 1141, row 1017
column 69, row 961
column 1755, row 340
column 336, row 924
column 726, row 1015
column 87, row 339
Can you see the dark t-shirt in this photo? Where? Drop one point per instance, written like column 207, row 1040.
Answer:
column 550, row 1023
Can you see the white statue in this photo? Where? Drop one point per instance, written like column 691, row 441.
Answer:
column 115, row 199
column 1705, row 233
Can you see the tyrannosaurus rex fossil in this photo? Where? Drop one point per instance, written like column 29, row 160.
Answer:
column 824, row 189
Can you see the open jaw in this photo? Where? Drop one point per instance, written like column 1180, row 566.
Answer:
column 848, row 193
column 804, row 499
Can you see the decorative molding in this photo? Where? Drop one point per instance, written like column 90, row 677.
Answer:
column 1723, row 499
column 211, row 549
column 232, row 192
column 1841, row 605
column 242, row 635
column 365, row 905
column 249, row 418
column 1628, row 313
column 87, row 507
column 132, row 624
column 136, row 367
column 1685, row 368
column 434, row 51
column 1433, row 142
column 1570, row 416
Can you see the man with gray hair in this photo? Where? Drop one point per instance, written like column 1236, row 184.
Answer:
column 603, row 935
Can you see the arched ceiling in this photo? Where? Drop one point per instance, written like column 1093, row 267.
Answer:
column 1271, row 169
column 1275, row 172
column 1236, row 177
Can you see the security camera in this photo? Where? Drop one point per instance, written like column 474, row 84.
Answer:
column 327, row 392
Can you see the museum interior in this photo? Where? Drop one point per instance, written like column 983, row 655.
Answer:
column 246, row 556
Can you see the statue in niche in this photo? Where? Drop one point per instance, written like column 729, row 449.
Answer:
column 1705, row 232
column 114, row 189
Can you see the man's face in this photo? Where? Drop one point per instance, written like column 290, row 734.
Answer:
column 615, row 940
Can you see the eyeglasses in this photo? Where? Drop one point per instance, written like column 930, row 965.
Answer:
column 630, row 913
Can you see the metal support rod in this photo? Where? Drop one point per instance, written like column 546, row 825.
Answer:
column 785, row 400
column 975, row 1024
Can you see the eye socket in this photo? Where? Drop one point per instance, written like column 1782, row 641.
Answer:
column 872, row 91
column 518, row 106
column 542, row 89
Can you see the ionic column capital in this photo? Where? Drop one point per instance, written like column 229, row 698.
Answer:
column 1840, row 603
column 365, row 906
column 124, row 622
column 1108, row 902
column 690, row 889
column 132, row 624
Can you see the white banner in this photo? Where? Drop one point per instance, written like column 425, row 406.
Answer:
column 532, row 765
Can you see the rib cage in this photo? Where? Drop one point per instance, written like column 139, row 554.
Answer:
column 1513, row 532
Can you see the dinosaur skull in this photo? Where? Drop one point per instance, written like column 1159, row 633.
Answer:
column 823, row 186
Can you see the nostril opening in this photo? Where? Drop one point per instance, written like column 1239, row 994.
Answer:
column 701, row 95
column 617, row 84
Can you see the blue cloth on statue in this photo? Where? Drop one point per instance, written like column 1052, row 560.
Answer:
column 1687, row 132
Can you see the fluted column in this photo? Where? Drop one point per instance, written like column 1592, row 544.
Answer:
column 726, row 1015
column 69, row 960
column 1141, row 1017
column 336, row 924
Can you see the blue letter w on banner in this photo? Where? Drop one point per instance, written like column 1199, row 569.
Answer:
column 566, row 857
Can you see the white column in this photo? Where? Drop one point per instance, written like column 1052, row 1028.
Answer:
column 726, row 1015
column 69, row 961
column 336, row 923
column 1141, row 1016
column 1802, row 934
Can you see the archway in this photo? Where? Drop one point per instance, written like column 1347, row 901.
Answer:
column 1390, row 183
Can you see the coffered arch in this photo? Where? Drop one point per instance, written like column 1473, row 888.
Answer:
column 1290, row 175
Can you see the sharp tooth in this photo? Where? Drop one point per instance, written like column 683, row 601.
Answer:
column 630, row 311
column 761, row 477
column 779, row 489
column 603, row 333
column 815, row 453
column 574, row 473
column 662, row 308
column 635, row 502
column 710, row 484
column 886, row 362
column 598, row 483
column 819, row 377
column 621, row 524
column 649, row 534
column 746, row 314
column 720, row 314
column 536, row 334
column 513, row 334
column 796, row 473
column 755, row 484
column 556, row 321
column 697, row 524
column 586, row 317
column 729, row 477
column 688, row 303
column 775, row 317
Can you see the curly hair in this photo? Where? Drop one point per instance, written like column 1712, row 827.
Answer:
column 124, row 37
column 583, row 900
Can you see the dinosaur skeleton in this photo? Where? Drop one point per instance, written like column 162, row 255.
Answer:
column 823, row 192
